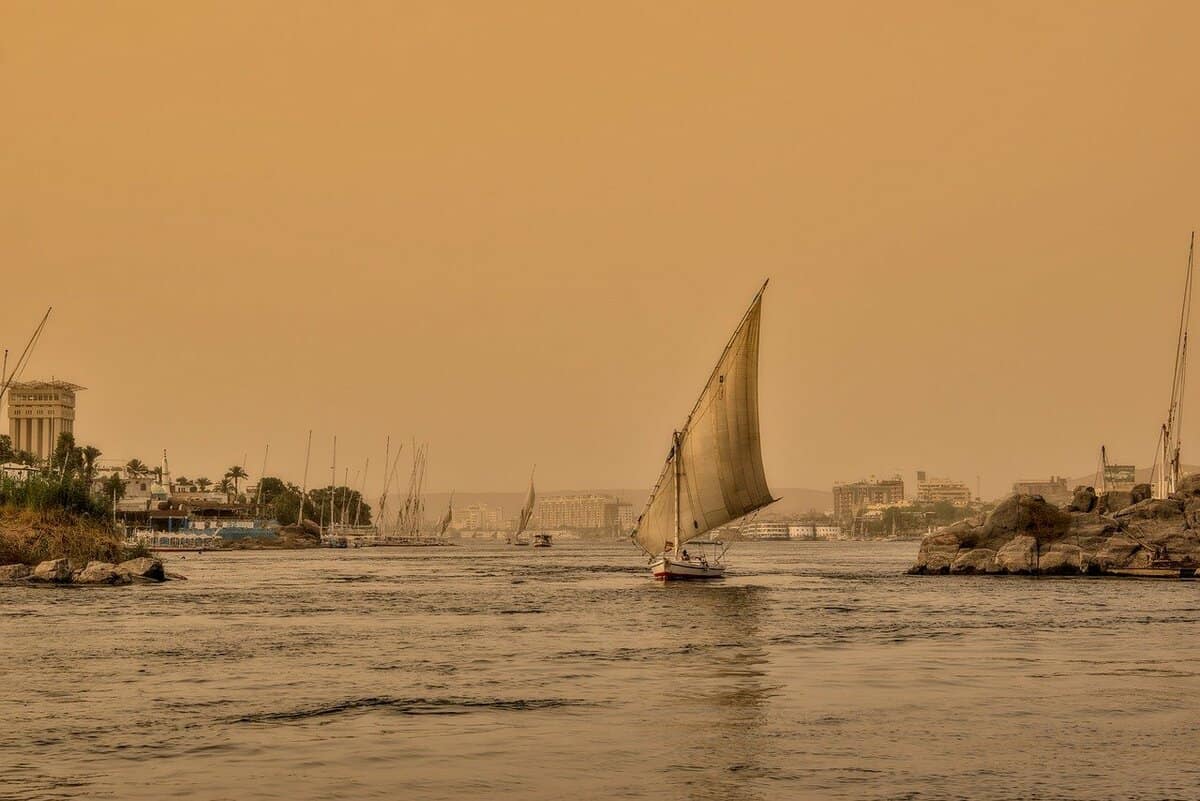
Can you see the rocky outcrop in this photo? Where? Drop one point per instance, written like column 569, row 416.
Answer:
column 1083, row 500
column 1025, row 535
column 143, row 570
column 14, row 572
column 101, row 573
column 1114, row 501
column 54, row 571
column 976, row 560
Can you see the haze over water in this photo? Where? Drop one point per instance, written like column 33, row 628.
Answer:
column 814, row 670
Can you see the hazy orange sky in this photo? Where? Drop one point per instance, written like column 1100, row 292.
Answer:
column 523, row 231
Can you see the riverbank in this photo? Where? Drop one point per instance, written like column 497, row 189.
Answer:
column 30, row 536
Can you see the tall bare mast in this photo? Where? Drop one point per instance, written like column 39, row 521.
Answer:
column 304, row 485
column 678, row 476
column 258, row 495
column 1172, row 430
column 332, row 480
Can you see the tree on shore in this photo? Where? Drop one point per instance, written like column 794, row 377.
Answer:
column 236, row 473
column 89, row 454
column 63, row 460
column 203, row 483
column 114, row 487
column 225, row 485
column 136, row 468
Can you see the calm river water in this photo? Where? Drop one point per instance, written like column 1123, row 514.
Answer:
column 816, row 670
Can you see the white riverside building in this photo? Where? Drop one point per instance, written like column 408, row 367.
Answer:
column 38, row 411
column 815, row 531
column 785, row 530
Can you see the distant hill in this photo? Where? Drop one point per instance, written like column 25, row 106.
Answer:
column 792, row 501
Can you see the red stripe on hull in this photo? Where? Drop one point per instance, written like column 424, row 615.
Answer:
column 681, row 577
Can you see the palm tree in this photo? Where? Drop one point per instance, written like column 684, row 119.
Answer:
column 203, row 483
column 236, row 473
column 90, row 454
column 136, row 468
column 225, row 485
column 114, row 487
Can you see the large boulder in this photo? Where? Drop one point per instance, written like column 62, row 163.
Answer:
column 55, row 571
column 1061, row 559
column 976, row 560
column 143, row 568
column 102, row 573
column 1189, row 485
column 1018, row 555
column 1023, row 515
column 1090, row 531
column 1114, row 501
column 14, row 572
column 1083, row 499
column 938, row 550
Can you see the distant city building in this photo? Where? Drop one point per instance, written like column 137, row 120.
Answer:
column 939, row 490
column 478, row 517
column 625, row 516
column 576, row 511
column 38, row 411
column 815, row 531
column 851, row 499
column 1054, row 489
column 762, row 530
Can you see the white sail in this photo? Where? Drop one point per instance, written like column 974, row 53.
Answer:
column 719, row 451
column 526, row 510
column 444, row 523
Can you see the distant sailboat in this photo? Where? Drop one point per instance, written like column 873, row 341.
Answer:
column 525, row 516
column 714, row 472
column 444, row 523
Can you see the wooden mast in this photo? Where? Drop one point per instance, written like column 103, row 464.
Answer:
column 678, row 472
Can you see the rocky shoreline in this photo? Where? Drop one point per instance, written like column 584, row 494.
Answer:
column 1116, row 533
column 59, row 572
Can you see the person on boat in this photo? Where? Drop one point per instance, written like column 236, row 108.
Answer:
column 685, row 555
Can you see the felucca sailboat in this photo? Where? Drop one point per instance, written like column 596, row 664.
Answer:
column 525, row 516
column 714, row 472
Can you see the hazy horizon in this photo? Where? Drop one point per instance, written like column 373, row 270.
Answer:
column 523, row 236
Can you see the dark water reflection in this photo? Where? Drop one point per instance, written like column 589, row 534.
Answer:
column 815, row 671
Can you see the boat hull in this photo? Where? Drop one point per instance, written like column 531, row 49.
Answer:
column 669, row 568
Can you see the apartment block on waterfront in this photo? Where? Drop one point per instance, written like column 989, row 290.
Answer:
column 38, row 411
column 589, row 511
column 478, row 517
column 849, row 499
column 939, row 490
